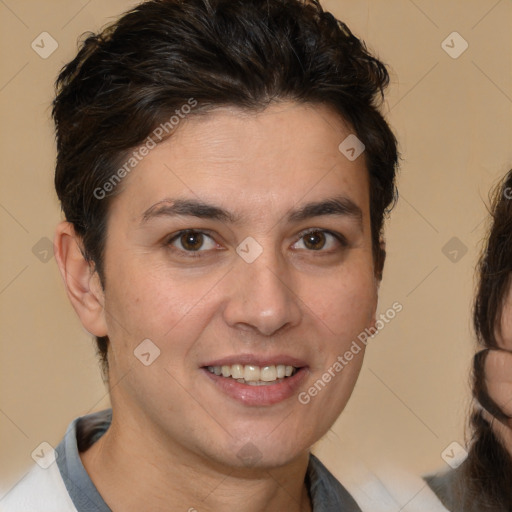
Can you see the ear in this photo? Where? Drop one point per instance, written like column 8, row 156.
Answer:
column 81, row 280
column 380, row 260
column 379, row 265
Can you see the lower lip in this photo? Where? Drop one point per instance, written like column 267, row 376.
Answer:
column 258, row 395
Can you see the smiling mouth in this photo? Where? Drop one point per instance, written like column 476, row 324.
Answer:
column 254, row 375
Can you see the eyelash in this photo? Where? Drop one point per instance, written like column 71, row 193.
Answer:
column 197, row 254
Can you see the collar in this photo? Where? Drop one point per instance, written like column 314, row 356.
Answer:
column 326, row 493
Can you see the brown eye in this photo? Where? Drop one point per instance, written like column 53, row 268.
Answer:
column 321, row 241
column 191, row 241
column 314, row 240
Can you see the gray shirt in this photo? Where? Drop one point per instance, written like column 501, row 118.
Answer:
column 326, row 493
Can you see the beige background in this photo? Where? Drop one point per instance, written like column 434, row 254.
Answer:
column 453, row 121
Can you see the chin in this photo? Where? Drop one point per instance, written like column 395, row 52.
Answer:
column 261, row 452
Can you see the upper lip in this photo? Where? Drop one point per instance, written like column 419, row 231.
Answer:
column 257, row 360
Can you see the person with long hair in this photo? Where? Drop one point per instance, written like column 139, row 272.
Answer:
column 482, row 482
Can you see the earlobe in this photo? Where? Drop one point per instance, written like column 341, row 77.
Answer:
column 373, row 321
column 82, row 283
column 379, row 266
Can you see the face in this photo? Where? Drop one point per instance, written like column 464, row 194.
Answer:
column 499, row 362
column 241, row 246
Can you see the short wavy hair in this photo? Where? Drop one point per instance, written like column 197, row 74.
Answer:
column 130, row 77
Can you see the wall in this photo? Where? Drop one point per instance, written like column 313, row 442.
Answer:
column 452, row 117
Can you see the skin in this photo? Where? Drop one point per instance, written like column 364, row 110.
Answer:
column 497, row 374
column 175, row 437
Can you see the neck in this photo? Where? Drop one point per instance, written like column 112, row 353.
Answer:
column 133, row 471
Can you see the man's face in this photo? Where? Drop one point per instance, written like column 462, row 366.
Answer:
column 242, row 290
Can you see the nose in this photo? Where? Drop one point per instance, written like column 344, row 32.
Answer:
column 262, row 296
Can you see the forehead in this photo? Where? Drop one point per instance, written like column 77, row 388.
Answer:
column 252, row 163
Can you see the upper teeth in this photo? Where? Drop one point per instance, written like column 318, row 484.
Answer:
column 251, row 373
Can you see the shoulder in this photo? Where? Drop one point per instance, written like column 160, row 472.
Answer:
column 40, row 490
column 411, row 495
column 48, row 490
column 385, row 490
column 392, row 489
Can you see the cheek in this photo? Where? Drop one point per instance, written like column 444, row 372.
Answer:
column 504, row 338
column 149, row 305
column 345, row 304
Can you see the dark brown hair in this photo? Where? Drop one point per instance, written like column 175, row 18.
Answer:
column 131, row 77
column 484, row 479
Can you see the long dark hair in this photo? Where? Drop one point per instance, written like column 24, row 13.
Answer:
column 484, row 480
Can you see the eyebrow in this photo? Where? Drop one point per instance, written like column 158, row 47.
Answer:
column 335, row 206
